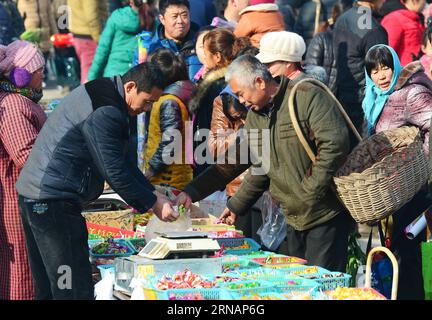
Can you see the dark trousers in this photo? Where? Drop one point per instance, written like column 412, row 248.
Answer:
column 251, row 222
column 325, row 245
column 408, row 252
column 56, row 240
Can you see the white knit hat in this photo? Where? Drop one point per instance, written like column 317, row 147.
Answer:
column 281, row 46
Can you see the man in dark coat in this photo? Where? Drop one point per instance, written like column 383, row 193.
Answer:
column 85, row 142
column 355, row 32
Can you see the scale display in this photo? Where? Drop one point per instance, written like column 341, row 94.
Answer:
column 178, row 245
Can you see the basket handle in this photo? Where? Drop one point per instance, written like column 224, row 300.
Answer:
column 295, row 122
column 317, row 15
column 395, row 269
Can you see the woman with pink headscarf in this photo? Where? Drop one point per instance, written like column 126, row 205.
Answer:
column 21, row 119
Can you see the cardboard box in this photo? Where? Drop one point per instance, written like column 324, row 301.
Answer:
column 104, row 231
column 120, row 219
column 209, row 224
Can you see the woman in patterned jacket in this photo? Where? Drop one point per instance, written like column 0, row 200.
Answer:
column 399, row 96
column 21, row 119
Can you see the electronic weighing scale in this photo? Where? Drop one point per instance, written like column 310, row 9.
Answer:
column 179, row 245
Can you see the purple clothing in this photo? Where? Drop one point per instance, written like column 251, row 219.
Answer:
column 410, row 103
column 222, row 23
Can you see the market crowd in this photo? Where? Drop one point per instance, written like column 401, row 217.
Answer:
column 226, row 64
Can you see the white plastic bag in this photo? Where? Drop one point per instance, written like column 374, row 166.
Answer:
column 183, row 223
column 104, row 289
column 274, row 229
column 138, row 290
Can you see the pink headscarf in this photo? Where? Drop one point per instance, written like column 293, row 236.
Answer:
column 20, row 54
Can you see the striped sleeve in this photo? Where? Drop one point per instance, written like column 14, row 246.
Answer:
column 18, row 129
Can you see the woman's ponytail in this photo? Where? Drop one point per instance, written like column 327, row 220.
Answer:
column 224, row 41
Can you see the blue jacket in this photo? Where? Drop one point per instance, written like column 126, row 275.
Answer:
column 16, row 20
column 202, row 12
column 6, row 30
column 186, row 49
column 85, row 141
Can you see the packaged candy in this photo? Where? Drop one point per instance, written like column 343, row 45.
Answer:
column 279, row 262
column 109, row 247
column 183, row 280
column 355, row 294
column 189, row 296
column 308, row 270
column 297, row 295
column 261, row 297
column 247, row 285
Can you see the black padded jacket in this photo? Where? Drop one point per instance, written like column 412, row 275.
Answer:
column 321, row 53
column 85, row 141
column 355, row 32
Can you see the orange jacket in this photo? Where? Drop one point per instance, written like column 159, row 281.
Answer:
column 256, row 21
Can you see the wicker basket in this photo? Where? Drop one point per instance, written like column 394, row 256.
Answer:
column 381, row 174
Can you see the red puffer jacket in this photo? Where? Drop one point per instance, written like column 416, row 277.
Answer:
column 405, row 31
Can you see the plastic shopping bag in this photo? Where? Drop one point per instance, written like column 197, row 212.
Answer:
column 156, row 226
column 274, row 228
column 103, row 290
column 382, row 275
column 382, row 268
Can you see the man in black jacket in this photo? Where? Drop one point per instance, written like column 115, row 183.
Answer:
column 355, row 32
column 320, row 51
column 390, row 6
column 85, row 142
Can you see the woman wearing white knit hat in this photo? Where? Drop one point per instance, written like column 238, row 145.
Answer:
column 283, row 52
